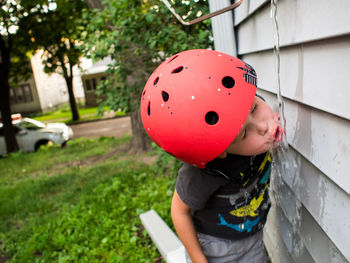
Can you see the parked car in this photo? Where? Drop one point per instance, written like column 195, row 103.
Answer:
column 31, row 134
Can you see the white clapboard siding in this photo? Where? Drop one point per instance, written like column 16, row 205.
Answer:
column 299, row 21
column 313, row 132
column 222, row 26
column 315, row 83
column 291, row 240
column 322, row 141
column 309, row 129
column 278, row 251
column 313, row 74
column 247, row 8
column 325, row 208
column 305, row 241
column 315, row 80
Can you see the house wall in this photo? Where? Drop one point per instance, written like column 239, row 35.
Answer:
column 90, row 83
column 310, row 218
column 28, row 106
column 52, row 88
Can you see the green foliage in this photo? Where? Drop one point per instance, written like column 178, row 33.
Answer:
column 80, row 203
column 13, row 38
column 53, row 26
column 166, row 162
column 139, row 35
column 55, row 29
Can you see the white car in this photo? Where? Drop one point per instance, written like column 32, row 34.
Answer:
column 31, row 134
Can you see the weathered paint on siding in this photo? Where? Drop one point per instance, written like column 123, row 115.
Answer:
column 299, row 21
column 315, row 61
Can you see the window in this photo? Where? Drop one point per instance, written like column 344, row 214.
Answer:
column 29, row 125
column 12, row 96
column 28, row 97
column 94, row 83
column 88, row 85
column 21, row 94
column 91, row 84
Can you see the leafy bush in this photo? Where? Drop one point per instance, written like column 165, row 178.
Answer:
column 165, row 162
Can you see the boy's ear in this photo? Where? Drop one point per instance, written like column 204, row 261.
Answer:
column 223, row 155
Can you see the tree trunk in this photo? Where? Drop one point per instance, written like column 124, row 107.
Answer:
column 9, row 130
column 72, row 102
column 69, row 81
column 140, row 140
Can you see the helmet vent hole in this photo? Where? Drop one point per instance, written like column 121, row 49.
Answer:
column 149, row 109
column 228, row 82
column 173, row 58
column 165, row 96
column 156, row 81
column 177, row 70
column 211, row 118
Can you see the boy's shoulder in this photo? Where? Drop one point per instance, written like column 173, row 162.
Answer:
column 192, row 177
column 195, row 186
column 191, row 172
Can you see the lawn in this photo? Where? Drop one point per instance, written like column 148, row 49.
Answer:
column 82, row 203
column 63, row 114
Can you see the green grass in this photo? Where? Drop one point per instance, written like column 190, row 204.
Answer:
column 63, row 114
column 81, row 203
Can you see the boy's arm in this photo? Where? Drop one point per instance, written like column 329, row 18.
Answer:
column 182, row 219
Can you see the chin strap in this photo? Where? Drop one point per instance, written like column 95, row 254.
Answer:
column 260, row 97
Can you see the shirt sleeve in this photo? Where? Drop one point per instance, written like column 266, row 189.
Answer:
column 194, row 186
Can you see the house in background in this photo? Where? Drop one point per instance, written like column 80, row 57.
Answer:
column 25, row 98
column 91, row 76
column 43, row 92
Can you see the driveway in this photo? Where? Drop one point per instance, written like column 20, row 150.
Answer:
column 116, row 127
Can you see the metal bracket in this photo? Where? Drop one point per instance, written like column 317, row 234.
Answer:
column 201, row 18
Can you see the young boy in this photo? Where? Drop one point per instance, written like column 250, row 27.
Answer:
column 201, row 106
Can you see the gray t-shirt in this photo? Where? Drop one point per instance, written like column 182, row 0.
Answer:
column 228, row 199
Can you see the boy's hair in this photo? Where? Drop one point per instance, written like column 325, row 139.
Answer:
column 195, row 103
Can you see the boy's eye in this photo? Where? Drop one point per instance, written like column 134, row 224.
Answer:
column 254, row 108
column 244, row 135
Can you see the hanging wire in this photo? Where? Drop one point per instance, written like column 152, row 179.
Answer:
column 201, row 18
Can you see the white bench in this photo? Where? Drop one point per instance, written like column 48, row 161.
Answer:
column 168, row 244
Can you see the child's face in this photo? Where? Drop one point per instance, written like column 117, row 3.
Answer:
column 261, row 130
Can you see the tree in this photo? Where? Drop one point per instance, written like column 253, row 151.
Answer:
column 139, row 35
column 14, row 62
column 56, row 31
column 25, row 26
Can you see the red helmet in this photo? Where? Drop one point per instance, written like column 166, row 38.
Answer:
column 195, row 103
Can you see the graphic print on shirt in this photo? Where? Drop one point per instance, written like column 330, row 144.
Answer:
column 246, row 226
column 251, row 207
